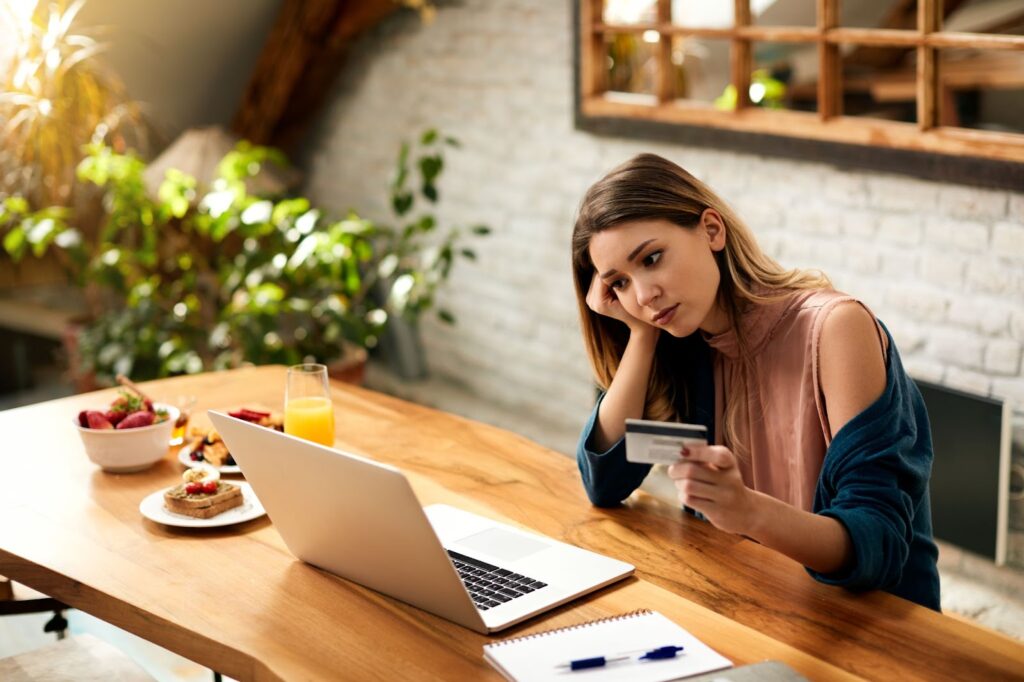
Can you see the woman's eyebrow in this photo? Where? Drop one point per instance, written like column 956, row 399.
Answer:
column 629, row 258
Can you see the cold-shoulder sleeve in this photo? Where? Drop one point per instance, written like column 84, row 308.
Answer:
column 607, row 476
column 874, row 481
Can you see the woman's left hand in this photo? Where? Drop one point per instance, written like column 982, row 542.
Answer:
column 709, row 481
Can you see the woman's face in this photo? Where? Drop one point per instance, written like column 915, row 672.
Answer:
column 663, row 274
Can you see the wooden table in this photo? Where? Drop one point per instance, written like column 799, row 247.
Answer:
column 234, row 599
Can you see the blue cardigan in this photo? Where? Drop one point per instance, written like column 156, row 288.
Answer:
column 874, row 481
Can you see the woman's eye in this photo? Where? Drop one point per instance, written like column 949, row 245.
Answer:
column 652, row 258
column 617, row 284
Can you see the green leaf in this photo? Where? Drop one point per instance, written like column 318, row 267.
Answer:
column 429, row 136
column 445, row 261
column 352, row 280
column 258, row 212
column 363, row 250
column 387, row 266
column 176, row 192
column 430, row 192
column 266, row 295
column 303, row 251
column 452, row 142
column 306, row 222
column 179, row 207
column 426, row 224
column 481, row 230
column 469, row 253
column 68, row 239
column 41, row 230
column 193, row 363
column 288, row 208
column 16, row 205
column 445, row 316
column 14, row 243
column 222, row 227
column 401, row 168
column 430, row 168
column 401, row 202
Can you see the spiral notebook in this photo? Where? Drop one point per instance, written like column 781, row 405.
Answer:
column 538, row 656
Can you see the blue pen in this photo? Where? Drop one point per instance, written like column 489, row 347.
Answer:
column 600, row 661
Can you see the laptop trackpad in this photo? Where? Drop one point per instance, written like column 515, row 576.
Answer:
column 503, row 544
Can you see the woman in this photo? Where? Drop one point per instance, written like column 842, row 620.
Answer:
column 822, row 444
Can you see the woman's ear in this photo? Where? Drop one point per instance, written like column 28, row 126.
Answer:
column 714, row 227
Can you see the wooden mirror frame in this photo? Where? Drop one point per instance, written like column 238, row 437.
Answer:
column 924, row 149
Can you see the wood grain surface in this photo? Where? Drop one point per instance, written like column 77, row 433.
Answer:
column 236, row 600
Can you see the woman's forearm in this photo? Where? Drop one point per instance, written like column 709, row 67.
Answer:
column 628, row 391
column 820, row 543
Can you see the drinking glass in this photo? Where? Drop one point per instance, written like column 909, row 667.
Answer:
column 308, row 412
column 185, row 404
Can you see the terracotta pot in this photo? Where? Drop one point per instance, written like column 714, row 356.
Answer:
column 84, row 382
column 351, row 366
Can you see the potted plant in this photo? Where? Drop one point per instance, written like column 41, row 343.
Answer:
column 56, row 95
column 186, row 283
column 54, row 98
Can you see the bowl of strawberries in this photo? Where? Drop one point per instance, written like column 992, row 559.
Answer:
column 132, row 434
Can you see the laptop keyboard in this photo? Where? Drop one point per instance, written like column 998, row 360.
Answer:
column 490, row 586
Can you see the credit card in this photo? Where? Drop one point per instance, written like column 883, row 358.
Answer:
column 651, row 442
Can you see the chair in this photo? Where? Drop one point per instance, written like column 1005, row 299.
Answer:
column 16, row 599
column 81, row 658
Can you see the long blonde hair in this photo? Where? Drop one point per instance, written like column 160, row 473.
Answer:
column 649, row 187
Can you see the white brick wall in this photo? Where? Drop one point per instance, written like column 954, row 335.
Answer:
column 1008, row 241
column 942, row 265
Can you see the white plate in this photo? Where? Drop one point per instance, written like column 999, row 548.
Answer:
column 153, row 509
column 183, row 457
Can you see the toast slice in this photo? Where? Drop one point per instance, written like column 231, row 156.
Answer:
column 203, row 505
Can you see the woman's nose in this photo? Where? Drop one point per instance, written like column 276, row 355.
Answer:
column 646, row 294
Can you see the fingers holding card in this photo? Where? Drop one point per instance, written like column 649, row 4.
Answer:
column 653, row 442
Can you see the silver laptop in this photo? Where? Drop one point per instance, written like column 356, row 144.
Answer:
column 360, row 520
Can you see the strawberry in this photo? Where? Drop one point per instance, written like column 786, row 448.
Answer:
column 97, row 420
column 210, row 487
column 115, row 416
column 137, row 419
column 249, row 415
column 83, row 420
column 193, row 488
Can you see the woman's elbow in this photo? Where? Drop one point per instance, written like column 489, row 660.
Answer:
column 603, row 499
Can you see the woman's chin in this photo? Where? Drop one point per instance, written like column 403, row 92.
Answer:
column 680, row 329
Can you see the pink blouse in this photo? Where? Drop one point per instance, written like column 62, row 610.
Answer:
column 782, row 419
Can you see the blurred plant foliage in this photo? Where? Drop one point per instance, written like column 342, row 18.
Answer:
column 55, row 97
column 766, row 91
column 190, row 283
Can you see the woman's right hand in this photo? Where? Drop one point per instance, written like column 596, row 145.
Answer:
column 603, row 301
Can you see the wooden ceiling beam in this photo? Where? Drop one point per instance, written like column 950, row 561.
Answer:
column 297, row 66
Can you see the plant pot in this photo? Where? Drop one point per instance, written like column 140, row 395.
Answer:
column 84, row 382
column 401, row 347
column 351, row 366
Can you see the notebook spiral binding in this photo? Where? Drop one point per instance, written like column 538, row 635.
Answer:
column 578, row 626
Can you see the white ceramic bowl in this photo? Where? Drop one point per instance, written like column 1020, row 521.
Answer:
column 127, row 450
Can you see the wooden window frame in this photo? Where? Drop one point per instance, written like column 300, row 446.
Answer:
column 924, row 149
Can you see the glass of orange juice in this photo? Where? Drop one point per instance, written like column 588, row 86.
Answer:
column 308, row 412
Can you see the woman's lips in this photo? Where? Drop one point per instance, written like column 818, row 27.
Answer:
column 665, row 316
